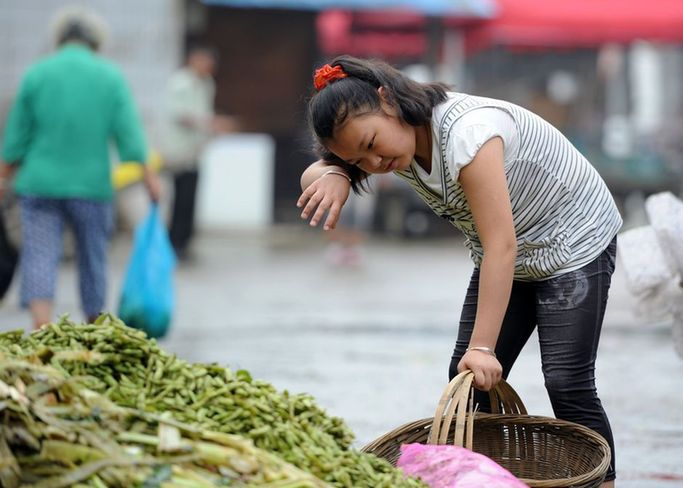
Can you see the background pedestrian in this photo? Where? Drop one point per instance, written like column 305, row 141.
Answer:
column 70, row 106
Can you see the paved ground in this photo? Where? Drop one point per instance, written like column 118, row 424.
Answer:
column 372, row 344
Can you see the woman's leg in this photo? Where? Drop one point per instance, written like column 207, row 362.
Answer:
column 41, row 249
column 570, row 310
column 92, row 222
column 518, row 324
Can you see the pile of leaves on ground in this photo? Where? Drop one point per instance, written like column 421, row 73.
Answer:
column 57, row 433
column 134, row 372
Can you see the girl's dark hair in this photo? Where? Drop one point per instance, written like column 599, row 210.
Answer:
column 357, row 93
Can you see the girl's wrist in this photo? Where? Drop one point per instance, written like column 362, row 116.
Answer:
column 484, row 349
column 336, row 172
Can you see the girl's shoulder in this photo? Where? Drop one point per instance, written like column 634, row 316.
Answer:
column 452, row 98
column 466, row 109
column 459, row 102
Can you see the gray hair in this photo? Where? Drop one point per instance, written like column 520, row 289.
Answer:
column 77, row 23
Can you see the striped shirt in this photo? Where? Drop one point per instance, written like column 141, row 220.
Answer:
column 564, row 214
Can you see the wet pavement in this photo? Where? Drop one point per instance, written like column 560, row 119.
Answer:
column 372, row 343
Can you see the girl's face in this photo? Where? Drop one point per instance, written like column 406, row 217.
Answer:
column 377, row 142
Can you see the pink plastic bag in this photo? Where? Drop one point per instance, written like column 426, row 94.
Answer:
column 454, row 467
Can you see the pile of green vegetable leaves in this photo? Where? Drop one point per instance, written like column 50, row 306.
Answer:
column 132, row 371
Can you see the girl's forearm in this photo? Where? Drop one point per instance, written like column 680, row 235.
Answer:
column 315, row 171
column 495, row 285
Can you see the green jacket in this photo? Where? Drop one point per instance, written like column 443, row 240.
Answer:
column 69, row 108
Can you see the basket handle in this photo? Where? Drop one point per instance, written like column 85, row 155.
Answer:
column 458, row 399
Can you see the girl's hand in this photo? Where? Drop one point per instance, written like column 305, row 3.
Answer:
column 486, row 368
column 326, row 194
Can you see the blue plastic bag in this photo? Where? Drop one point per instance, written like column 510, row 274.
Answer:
column 148, row 292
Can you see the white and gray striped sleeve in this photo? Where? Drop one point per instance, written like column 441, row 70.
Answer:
column 473, row 129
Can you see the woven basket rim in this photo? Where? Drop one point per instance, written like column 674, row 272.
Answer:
column 518, row 419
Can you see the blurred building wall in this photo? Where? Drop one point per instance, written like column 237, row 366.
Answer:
column 145, row 37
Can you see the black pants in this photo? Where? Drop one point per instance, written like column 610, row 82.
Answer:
column 182, row 219
column 568, row 311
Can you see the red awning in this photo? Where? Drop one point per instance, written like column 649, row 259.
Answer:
column 579, row 23
column 394, row 34
column 391, row 34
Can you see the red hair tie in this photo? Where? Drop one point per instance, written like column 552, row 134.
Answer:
column 325, row 75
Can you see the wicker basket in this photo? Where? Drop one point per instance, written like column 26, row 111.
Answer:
column 543, row 452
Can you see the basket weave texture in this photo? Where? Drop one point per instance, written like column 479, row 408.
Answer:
column 542, row 452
